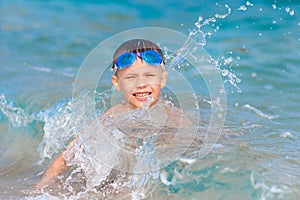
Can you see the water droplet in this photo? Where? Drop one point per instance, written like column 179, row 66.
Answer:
column 287, row 9
column 150, row 98
column 248, row 3
column 198, row 25
column 254, row 74
column 292, row 12
column 244, row 8
column 145, row 106
column 225, row 72
column 228, row 61
column 274, row 6
column 260, row 34
column 200, row 18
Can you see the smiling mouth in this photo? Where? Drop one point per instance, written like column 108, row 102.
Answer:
column 142, row 94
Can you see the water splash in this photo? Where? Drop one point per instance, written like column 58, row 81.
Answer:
column 198, row 34
column 150, row 98
column 63, row 122
column 244, row 7
column 222, row 64
column 66, row 120
column 16, row 115
column 57, row 128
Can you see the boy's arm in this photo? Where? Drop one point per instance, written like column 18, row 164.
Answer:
column 57, row 167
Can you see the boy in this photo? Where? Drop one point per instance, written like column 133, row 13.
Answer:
column 139, row 73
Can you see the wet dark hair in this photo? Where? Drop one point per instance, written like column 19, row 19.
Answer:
column 134, row 46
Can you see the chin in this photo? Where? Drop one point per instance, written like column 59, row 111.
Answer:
column 139, row 104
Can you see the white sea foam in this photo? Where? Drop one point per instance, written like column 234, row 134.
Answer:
column 49, row 70
column 41, row 69
column 270, row 191
column 286, row 135
column 259, row 112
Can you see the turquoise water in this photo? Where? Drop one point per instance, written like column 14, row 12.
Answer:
column 257, row 155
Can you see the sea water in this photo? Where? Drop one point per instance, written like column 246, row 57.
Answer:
column 254, row 45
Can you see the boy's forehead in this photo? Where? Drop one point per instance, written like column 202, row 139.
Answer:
column 142, row 68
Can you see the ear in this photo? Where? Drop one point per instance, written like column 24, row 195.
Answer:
column 164, row 79
column 115, row 80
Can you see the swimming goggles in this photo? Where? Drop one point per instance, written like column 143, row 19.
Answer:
column 149, row 56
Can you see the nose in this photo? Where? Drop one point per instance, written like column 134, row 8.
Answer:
column 141, row 82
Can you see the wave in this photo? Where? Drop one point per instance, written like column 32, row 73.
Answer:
column 259, row 112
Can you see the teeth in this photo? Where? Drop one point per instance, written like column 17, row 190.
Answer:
column 142, row 94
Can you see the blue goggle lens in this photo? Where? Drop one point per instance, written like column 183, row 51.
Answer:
column 126, row 59
column 151, row 57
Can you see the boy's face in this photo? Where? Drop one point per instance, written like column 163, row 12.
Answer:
column 140, row 83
